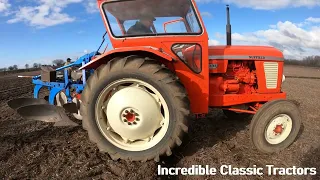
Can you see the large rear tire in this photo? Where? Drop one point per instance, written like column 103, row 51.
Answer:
column 135, row 109
column 275, row 126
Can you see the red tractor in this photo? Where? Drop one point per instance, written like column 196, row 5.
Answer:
column 137, row 103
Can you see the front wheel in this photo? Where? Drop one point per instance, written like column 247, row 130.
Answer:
column 135, row 109
column 275, row 126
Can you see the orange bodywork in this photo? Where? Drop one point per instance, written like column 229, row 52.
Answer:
column 221, row 57
column 230, row 75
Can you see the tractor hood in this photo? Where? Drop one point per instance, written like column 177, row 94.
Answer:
column 245, row 52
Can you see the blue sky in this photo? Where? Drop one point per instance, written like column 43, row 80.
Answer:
column 43, row 30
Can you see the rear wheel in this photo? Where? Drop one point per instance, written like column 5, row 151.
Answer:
column 135, row 109
column 275, row 126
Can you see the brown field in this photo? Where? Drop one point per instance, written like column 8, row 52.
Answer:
column 301, row 71
column 35, row 150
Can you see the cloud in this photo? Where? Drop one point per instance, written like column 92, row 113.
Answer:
column 206, row 14
column 4, row 5
column 273, row 26
column 91, row 6
column 271, row 5
column 48, row 59
column 267, row 4
column 293, row 40
column 313, row 20
column 213, row 42
column 47, row 13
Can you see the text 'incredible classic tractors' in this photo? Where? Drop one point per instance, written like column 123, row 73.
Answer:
column 137, row 102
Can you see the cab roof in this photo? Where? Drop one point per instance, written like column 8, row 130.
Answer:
column 132, row 10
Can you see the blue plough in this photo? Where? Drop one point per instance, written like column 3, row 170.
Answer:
column 51, row 110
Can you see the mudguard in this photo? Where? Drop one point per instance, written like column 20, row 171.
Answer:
column 93, row 64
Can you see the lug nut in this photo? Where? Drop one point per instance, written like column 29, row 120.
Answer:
column 137, row 119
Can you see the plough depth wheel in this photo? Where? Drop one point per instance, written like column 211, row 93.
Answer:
column 61, row 99
column 135, row 109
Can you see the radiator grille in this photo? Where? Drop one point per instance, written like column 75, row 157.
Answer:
column 271, row 73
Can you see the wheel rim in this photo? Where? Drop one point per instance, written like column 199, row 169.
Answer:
column 78, row 103
column 278, row 129
column 61, row 99
column 132, row 115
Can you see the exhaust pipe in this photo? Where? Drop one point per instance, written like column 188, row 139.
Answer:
column 228, row 27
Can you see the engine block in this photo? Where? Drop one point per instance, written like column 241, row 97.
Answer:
column 240, row 78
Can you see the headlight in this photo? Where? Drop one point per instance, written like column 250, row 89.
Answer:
column 283, row 78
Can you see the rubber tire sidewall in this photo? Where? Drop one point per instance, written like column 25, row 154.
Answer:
column 264, row 116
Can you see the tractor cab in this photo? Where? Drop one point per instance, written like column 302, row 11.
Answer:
column 156, row 18
column 164, row 22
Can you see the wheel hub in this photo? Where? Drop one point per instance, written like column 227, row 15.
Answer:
column 133, row 113
column 130, row 116
column 278, row 129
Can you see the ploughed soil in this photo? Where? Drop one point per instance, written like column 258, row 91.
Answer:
column 36, row 150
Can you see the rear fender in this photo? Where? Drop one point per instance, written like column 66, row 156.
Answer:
column 125, row 51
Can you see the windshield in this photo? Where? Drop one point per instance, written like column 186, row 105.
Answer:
column 157, row 17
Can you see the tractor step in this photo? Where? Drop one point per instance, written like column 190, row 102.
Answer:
column 41, row 110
